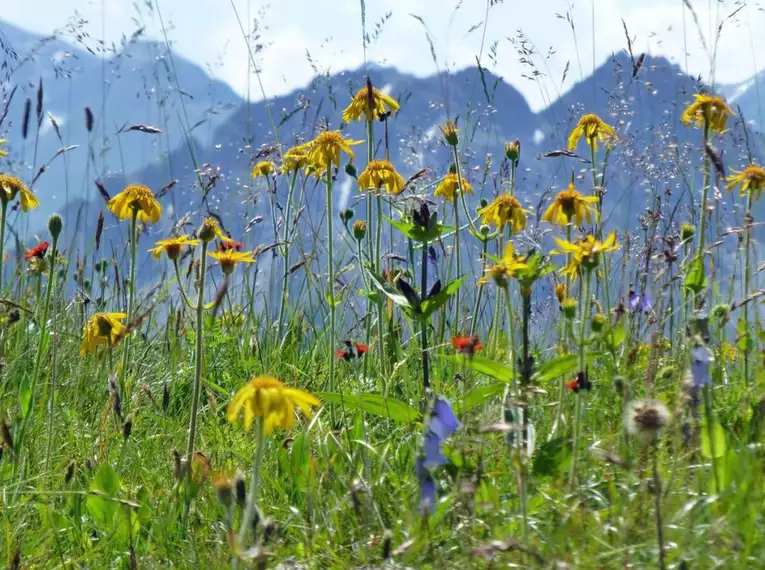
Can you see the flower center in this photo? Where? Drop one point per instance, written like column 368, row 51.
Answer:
column 329, row 138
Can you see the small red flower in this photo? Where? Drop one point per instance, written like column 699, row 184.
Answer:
column 37, row 251
column 573, row 385
column 581, row 382
column 467, row 345
column 351, row 350
column 228, row 245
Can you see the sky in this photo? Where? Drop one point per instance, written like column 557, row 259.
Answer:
column 559, row 33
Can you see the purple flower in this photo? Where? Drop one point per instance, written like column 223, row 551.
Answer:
column 638, row 302
column 427, row 486
column 700, row 360
column 443, row 421
column 432, row 450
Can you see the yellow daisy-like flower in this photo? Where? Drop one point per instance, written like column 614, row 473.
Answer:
column 593, row 128
column 370, row 105
column 210, row 229
column 707, row 109
column 262, row 168
column 294, row 159
column 3, row 152
column 448, row 187
column 266, row 397
column 230, row 257
column 172, row 246
column 102, row 328
column 584, row 253
column 324, row 150
column 136, row 199
column 11, row 186
column 752, row 179
column 450, row 132
column 504, row 210
column 507, row 267
column 570, row 205
column 379, row 173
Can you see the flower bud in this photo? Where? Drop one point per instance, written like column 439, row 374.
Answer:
column 482, row 203
column 513, row 151
column 560, row 292
column 485, row 229
column 598, row 322
column 449, row 130
column 350, row 170
column 207, row 231
column 569, row 307
column 224, row 491
column 55, row 225
column 127, row 428
column 687, row 231
column 359, row 230
column 346, row 215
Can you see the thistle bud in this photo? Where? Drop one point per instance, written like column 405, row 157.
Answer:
column 513, row 151
column 346, row 215
column 359, row 230
column 55, row 225
column 687, row 231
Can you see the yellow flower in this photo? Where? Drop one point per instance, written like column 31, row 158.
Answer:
column 450, row 132
column 380, row 173
column 210, row 230
column 708, row 109
column 570, row 204
column 324, row 150
column 449, row 186
column 136, row 199
column 230, row 257
column 593, row 128
column 370, row 105
column 266, row 397
column 3, row 152
column 11, row 186
column 561, row 292
column 294, row 159
column 505, row 268
column 262, row 168
column 172, row 246
column 505, row 209
column 584, row 253
column 752, row 178
column 102, row 328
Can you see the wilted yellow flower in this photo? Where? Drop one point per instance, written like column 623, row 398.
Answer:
column 262, row 168
column 230, row 257
column 102, row 328
column 570, row 204
column 584, row 253
column 450, row 132
column 210, row 229
column 3, row 152
column 172, row 246
column 359, row 230
column 294, row 159
column 593, row 128
column 11, row 186
column 752, row 178
column 379, row 173
column 324, row 150
column 504, row 210
column 708, row 109
column 560, row 292
column 136, row 199
column 266, row 397
column 448, row 187
column 506, row 268
column 513, row 150
column 370, row 105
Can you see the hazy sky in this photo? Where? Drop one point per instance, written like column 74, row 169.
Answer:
column 206, row 31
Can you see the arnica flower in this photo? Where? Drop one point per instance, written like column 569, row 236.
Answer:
column 584, row 253
column 266, row 397
column 359, row 230
column 262, row 168
column 294, row 159
column 708, row 109
column 448, row 187
column 594, row 129
column 226, row 245
column 701, row 358
column 379, row 173
column 3, row 152
column 352, row 350
column 172, row 246
column 504, row 210
column 369, row 103
column 560, row 292
column 102, row 328
column 229, row 258
column 450, row 132
column 646, row 418
column 569, row 205
column 136, row 199
column 324, row 150
column 513, row 151
column 210, row 229
column 37, row 251
column 11, row 186
column 467, row 345
column 751, row 179
column 506, row 268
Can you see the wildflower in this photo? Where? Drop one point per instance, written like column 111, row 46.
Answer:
column 379, row 173
column 638, row 302
column 11, row 186
column 581, row 382
column 584, row 253
column 505, row 268
column 687, row 231
column 646, row 418
column 136, row 199
column 752, row 179
column 560, row 292
column 351, row 350
column 267, row 398
column 210, row 229
column 224, row 489
column 102, row 328
column 593, row 128
column 448, row 187
column 228, row 245
column 513, row 151
column 432, row 449
column 172, row 246
column 371, row 103
column 262, row 168
column 443, row 421
column 359, row 230
column 701, row 358
column 37, row 251
column 56, row 224
column 467, row 345
column 37, row 266
column 598, row 322
column 569, row 205
column 229, row 258
column 294, row 159
column 504, row 210
column 427, row 486
column 708, row 110
column 324, row 150
column 450, row 131
column 3, row 152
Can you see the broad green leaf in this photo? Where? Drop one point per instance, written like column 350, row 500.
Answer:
column 25, row 395
column 501, row 372
column 561, row 366
column 478, row 396
column 695, row 279
column 430, row 306
column 552, row 457
column 128, row 525
column 375, row 404
column 106, row 480
column 390, row 292
column 718, row 435
column 417, row 233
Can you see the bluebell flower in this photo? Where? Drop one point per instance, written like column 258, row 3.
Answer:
column 432, row 450
column 443, row 421
column 638, row 302
column 427, row 486
column 701, row 358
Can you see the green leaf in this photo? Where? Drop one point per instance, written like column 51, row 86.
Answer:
column 718, row 438
column 695, row 279
column 375, row 404
column 417, row 233
column 106, row 480
column 482, row 365
column 430, row 306
column 744, row 337
column 478, row 396
column 561, row 366
column 552, row 457
column 390, row 292
column 25, row 395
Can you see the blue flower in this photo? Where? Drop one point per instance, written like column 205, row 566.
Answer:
column 700, row 360
column 443, row 421
column 638, row 302
column 432, row 450
column 427, row 486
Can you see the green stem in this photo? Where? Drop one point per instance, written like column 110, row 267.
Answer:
column 657, row 491
column 380, row 308
column 180, row 285
column 584, row 316
column 252, row 496
column 474, row 320
column 131, row 300
column 457, row 314
column 709, row 412
column 331, row 288
column 285, row 278
column 704, row 193
column 747, row 245
column 197, row 357
column 424, row 328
